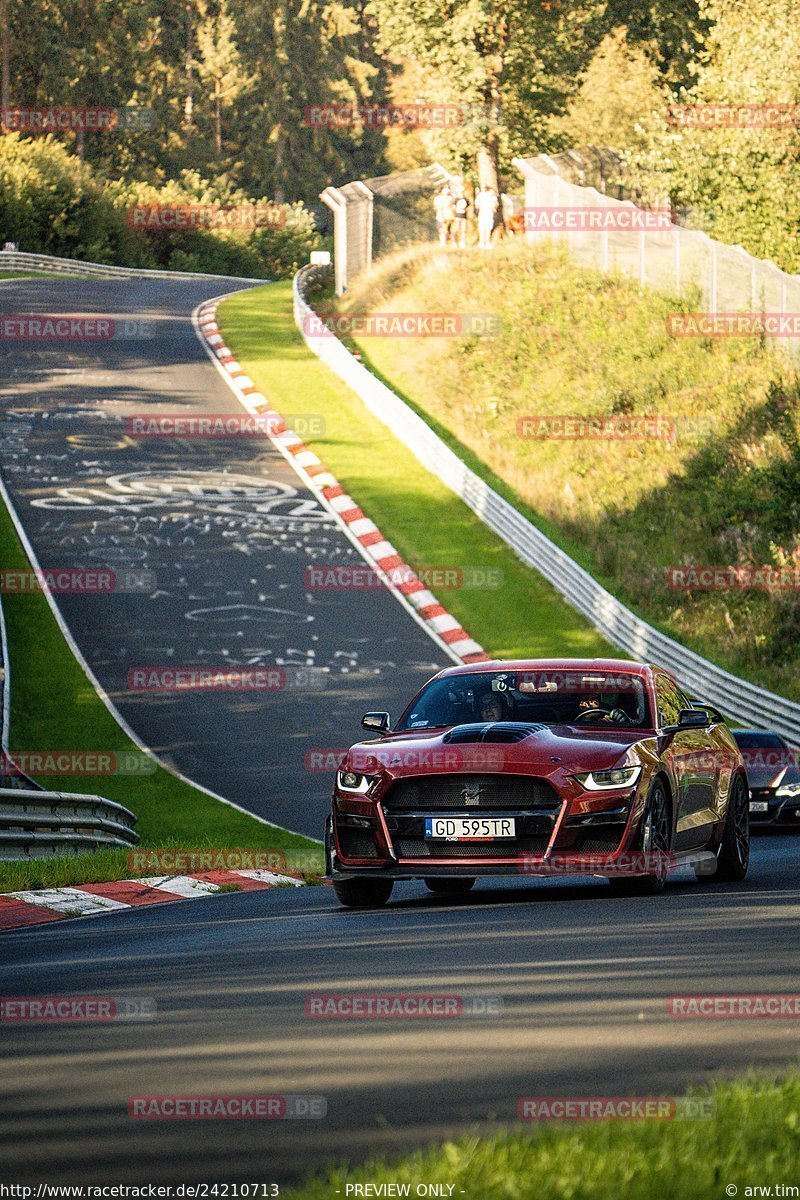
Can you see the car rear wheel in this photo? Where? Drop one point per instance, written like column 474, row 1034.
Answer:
column 656, row 839
column 449, row 887
column 734, row 851
column 362, row 893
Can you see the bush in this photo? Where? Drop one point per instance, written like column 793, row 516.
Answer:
column 51, row 203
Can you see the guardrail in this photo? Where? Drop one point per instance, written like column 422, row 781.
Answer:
column 750, row 704
column 20, row 260
column 35, row 823
column 5, row 692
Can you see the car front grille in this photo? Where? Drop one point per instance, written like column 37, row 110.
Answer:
column 418, row 848
column 433, row 793
column 357, row 843
column 597, row 843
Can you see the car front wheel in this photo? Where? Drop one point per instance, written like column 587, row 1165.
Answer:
column 734, row 851
column 656, row 841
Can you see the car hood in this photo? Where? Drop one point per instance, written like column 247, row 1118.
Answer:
column 503, row 746
column 764, row 775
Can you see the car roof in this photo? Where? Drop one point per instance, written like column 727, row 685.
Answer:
column 622, row 666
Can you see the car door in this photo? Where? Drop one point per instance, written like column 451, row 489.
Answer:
column 691, row 756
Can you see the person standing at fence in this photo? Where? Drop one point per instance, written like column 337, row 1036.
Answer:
column 444, row 213
column 486, row 203
column 461, row 206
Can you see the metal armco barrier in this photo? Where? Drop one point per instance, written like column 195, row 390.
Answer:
column 5, row 691
column 745, row 701
column 36, row 824
column 18, row 260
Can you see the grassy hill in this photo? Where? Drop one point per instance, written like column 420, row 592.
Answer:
column 720, row 485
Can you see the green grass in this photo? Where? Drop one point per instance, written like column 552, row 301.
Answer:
column 575, row 342
column 426, row 522
column 753, row 1139
column 53, row 706
column 38, row 275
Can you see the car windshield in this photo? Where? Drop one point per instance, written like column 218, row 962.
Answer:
column 591, row 698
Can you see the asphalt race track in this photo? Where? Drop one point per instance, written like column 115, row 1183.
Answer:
column 218, row 534
column 584, row 979
column 224, row 532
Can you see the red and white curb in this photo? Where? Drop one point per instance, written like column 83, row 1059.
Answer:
column 374, row 547
column 58, row 904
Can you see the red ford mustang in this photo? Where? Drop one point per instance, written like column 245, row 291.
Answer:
column 599, row 766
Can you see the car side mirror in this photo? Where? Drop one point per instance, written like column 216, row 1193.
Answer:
column 377, row 721
column 693, row 718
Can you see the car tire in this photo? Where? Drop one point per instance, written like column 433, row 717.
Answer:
column 734, row 850
column 363, row 893
column 449, row 887
column 656, row 837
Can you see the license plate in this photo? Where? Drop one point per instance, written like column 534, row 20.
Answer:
column 470, row 829
column 759, row 806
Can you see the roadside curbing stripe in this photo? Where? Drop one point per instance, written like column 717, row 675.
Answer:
column 18, row 909
column 441, row 625
column 69, row 900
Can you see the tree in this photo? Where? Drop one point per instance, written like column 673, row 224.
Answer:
column 510, row 63
column 671, row 34
column 740, row 183
column 301, row 54
column 219, row 63
column 77, row 53
column 621, row 101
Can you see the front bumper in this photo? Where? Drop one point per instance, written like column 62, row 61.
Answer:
column 558, row 838
column 781, row 811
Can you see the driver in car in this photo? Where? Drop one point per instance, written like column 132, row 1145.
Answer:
column 490, row 707
column 603, row 710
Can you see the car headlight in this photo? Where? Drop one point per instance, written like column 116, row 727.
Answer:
column 788, row 789
column 353, row 781
column 601, row 781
